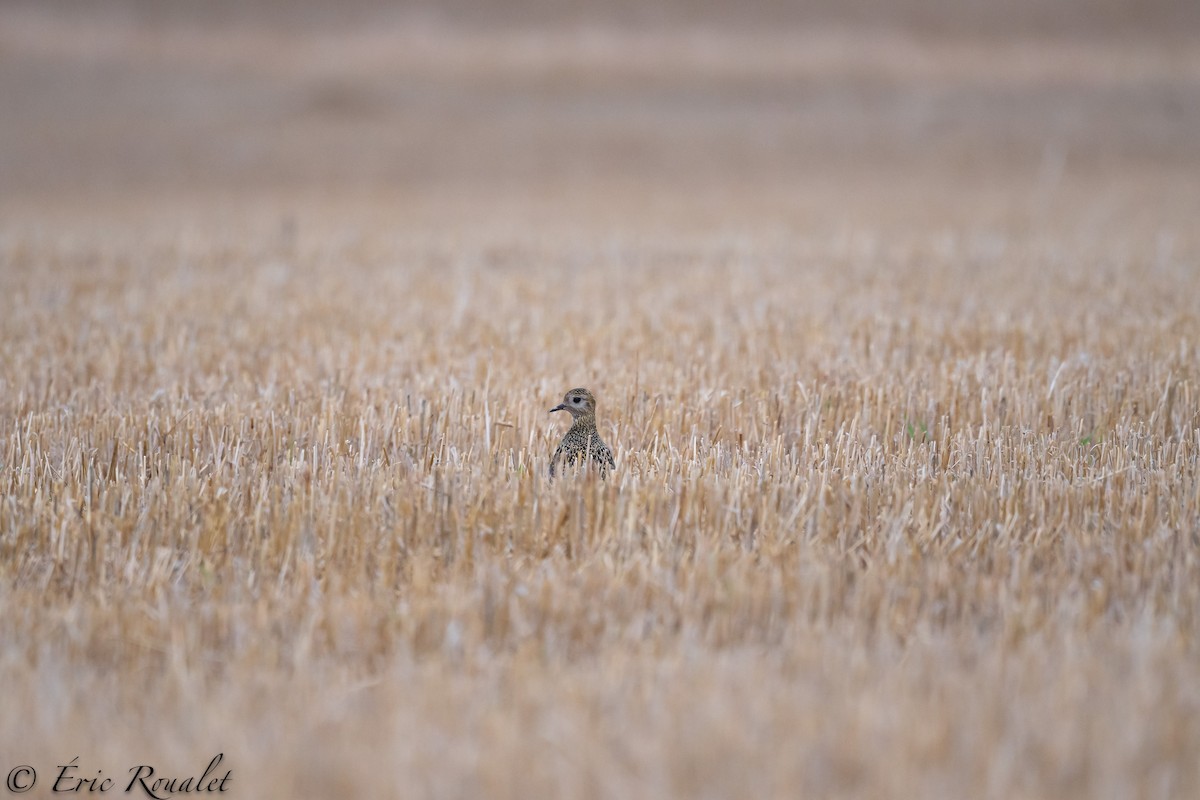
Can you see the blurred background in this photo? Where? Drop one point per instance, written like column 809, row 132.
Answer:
column 526, row 115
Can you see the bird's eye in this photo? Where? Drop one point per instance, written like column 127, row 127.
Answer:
column 575, row 399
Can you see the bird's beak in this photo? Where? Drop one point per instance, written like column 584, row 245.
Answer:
column 559, row 407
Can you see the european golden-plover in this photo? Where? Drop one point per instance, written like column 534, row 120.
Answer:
column 583, row 441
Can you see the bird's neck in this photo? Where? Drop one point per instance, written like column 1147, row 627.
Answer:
column 584, row 422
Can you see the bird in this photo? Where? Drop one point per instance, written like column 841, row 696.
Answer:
column 582, row 442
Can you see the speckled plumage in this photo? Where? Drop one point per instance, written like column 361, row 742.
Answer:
column 582, row 441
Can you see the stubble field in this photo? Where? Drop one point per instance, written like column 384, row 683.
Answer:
column 895, row 348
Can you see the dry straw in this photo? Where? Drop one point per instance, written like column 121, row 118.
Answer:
column 920, row 520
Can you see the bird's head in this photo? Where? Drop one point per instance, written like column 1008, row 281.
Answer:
column 579, row 402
